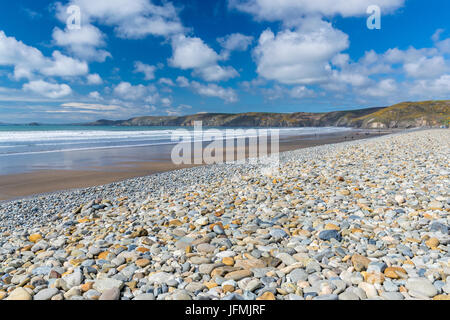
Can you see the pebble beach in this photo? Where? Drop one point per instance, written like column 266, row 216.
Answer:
column 358, row 220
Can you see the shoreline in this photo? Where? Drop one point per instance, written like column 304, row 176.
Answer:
column 42, row 182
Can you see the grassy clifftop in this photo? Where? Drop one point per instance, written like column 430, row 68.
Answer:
column 407, row 115
column 402, row 115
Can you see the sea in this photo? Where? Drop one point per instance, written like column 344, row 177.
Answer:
column 25, row 148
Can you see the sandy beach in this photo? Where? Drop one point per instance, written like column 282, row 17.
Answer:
column 355, row 220
column 131, row 163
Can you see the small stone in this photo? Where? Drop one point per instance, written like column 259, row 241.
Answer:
column 110, row 294
column 19, row 294
column 238, row 275
column 297, row 275
column 105, row 284
column 395, row 272
column 399, row 199
column 142, row 263
column 35, row 237
column 360, row 262
column 86, row 286
column 331, row 226
column 228, row 261
column 327, row 235
column 145, row 296
column 266, row 296
column 348, row 295
column 46, row 294
column 432, row 243
column 422, row 286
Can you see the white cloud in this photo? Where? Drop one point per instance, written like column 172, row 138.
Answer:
column 216, row 73
column 301, row 92
column 167, row 82
column 300, row 56
column 147, row 70
column 213, row 90
column 126, row 90
column 182, row 82
column 290, row 11
column 95, row 95
column 384, row 88
column 438, row 88
column 27, row 61
column 83, row 43
column 49, row 90
column 235, row 42
column 89, row 106
column 64, row 66
column 426, row 67
column 133, row 19
column 94, row 79
column 193, row 53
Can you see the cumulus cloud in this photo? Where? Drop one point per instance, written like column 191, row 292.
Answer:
column 290, row 11
column 47, row 89
column 182, row 82
column 235, row 42
column 147, row 70
column 95, row 95
column 28, row 61
column 213, row 90
column 126, row 90
column 83, row 43
column 300, row 56
column 132, row 19
column 166, row 81
column 94, row 79
column 193, row 53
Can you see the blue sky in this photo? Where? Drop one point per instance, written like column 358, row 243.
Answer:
column 147, row 57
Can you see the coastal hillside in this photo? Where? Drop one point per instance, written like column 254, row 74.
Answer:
column 407, row 115
column 403, row 115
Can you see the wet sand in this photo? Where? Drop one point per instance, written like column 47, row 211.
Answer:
column 136, row 162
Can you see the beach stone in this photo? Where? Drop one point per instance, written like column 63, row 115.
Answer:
column 46, row 294
column 238, row 275
column 110, row 294
column 437, row 226
column 102, row 285
column 395, row 272
column 142, row 263
column 19, row 294
column 360, row 262
column 206, row 248
column 35, row 237
column 392, row 296
column 327, row 235
column 327, row 297
column 422, row 286
column 297, row 275
column 181, row 295
column 347, row 295
column 73, row 279
column 432, row 243
column 266, row 296
column 160, row 277
column 145, row 296
column 278, row 233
